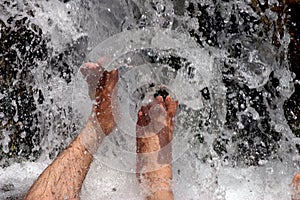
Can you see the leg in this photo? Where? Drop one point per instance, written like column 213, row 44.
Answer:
column 154, row 150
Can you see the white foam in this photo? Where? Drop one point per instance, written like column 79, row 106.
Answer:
column 16, row 179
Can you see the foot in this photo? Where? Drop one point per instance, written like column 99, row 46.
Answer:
column 154, row 149
column 101, row 87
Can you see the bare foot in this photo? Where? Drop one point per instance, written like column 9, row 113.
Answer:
column 64, row 177
column 296, row 187
column 154, row 149
column 101, row 86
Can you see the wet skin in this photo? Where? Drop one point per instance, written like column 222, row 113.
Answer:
column 154, row 133
column 296, row 187
column 63, row 178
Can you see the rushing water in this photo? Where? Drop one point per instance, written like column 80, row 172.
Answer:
column 225, row 62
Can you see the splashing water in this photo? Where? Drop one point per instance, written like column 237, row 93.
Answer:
column 231, row 138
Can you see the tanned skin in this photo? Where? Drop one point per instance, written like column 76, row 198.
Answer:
column 63, row 178
column 296, row 187
column 154, row 133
